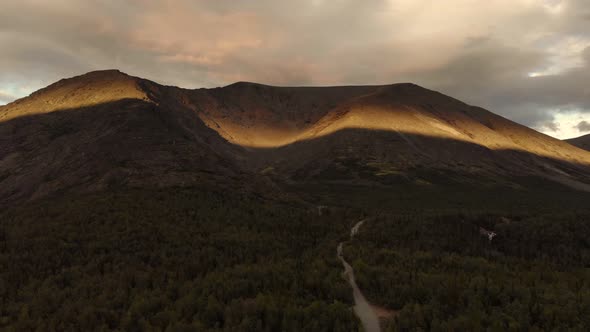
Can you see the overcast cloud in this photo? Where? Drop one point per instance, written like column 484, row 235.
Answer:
column 528, row 60
column 583, row 126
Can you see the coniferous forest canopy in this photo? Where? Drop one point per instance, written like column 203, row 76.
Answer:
column 196, row 259
column 183, row 260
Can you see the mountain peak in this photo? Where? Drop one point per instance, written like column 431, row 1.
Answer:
column 92, row 78
column 244, row 83
column 89, row 89
column 112, row 71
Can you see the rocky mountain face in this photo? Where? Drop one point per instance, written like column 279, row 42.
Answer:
column 106, row 129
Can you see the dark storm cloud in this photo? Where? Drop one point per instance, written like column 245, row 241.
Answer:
column 551, row 126
column 525, row 59
column 583, row 126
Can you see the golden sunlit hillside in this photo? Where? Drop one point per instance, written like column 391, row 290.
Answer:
column 107, row 129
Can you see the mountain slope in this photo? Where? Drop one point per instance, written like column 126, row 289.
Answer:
column 583, row 142
column 107, row 129
column 382, row 129
column 405, row 108
column 99, row 131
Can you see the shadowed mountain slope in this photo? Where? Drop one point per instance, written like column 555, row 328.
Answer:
column 583, row 142
column 99, row 131
column 105, row 129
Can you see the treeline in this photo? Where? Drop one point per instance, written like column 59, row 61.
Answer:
column 172, row 260
column 440, row 274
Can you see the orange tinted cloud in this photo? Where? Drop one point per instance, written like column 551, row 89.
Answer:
column 180, row 33
column 525, row 59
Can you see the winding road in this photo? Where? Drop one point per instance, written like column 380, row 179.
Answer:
column 362, row 308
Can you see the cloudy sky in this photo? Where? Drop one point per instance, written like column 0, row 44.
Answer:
column 528, row 60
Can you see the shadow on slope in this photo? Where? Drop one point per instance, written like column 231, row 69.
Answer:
column 389, row 157
column 583, row 142
column 132, row 143
column 129, row 142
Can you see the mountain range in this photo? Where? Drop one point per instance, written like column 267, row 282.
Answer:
column 107, row 129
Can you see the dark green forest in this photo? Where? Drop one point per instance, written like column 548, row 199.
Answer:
column 197, row 259
column 438, row 273
column 172, row 260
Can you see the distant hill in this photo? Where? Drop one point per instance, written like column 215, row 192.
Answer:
column 107, row 129
column 582, row 142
